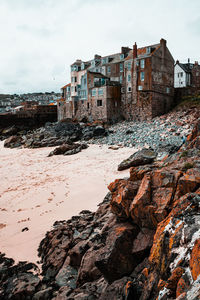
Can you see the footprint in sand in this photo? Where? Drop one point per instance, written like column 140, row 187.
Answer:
column 3, row 209
column 50, row 199
column 45, row 212
column 24, row 220
column 2, row 225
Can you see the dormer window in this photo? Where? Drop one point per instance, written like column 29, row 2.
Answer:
column 121, row 56
column 104, row 60
column 93, row 63
column 82, row 66
column 148, row 50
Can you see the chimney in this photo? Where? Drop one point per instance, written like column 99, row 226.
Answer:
column 177, row 62
column 188, row 60
column 196, row 63
column 134, row 51
column 163, row 42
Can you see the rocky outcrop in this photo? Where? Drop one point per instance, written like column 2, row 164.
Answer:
column 142, row 243
column 53, row 134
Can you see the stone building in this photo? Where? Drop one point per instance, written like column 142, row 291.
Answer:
column 135, row 84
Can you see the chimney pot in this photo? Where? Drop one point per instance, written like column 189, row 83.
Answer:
column 134, row 51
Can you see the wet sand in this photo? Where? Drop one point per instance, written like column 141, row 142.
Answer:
column 36, row 191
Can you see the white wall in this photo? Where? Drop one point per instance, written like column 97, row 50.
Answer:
column 178, row 80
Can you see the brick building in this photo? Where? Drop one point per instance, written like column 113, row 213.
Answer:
column 136, row 84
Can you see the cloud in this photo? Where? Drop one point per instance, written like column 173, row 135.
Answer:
column 41, row 38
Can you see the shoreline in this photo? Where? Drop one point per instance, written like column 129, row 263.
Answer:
column 58, row 188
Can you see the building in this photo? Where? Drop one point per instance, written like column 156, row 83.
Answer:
column 186, row 75
column 135, row 84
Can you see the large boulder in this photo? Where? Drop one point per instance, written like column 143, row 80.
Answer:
column 142, row 157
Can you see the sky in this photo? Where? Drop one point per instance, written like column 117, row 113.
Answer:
column 39, row 39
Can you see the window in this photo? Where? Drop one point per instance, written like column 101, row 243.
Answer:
column 97, row 70
column 108, row 69
column 75, row 79
column 129, row 66
column 82, row 66
column 121, row 56
column 129, row 89
column 142, row 64
column 100, row 92
column 75, row 89
column 197, row 73
column 121, row 67
column 181, row 74
column 88, row 105
column 104, row 61
column 84, row 81
column 94, row 92
column 148, row 50
column 128, row 77
column 115, row 103
column 140, row 88
column 138, row 63
column 120, row 78
column 93, row 63
column 99, row 102
column 72, row 88
column 168, row 90
column 142, row 76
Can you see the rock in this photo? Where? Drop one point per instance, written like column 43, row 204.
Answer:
column 99, row 131
column 142, row 157
column 13, row 141
column 195, row 260
column 115, row 259
column 139, row 208
column 45, row 294
column 68, row 149
column 123, row 192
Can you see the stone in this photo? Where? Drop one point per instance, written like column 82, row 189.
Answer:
column 142, row 200
column 123, row 193
column 142, row 157
column 115, row 259
column 195, row 260
column 12, row 141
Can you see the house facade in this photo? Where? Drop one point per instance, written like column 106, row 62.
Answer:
column 186, row 75
column 135, row 84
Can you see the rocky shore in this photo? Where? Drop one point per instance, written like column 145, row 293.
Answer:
column 142, row 243
column 164, row 134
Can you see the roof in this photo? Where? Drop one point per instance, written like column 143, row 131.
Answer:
column 64, row 87
column 97, row 74
column 186, row 67
column 142, row 52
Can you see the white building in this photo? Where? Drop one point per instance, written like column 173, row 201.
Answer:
column 182, row 74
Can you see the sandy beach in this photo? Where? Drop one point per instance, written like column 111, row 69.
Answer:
column 37, row 190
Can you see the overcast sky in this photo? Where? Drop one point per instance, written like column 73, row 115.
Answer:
column 39, row 39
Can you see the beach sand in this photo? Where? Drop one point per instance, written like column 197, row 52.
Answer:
column 36, row 191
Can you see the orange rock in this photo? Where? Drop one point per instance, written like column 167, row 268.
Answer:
column 123, row 192
column 161, row 284
column 141, row 200
column 195, row 260
column 174, row 278
column 182, row 286
column 137, row 173
column 187, row 183
column 162, row 197
column 145, row 272
column 162, row 178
